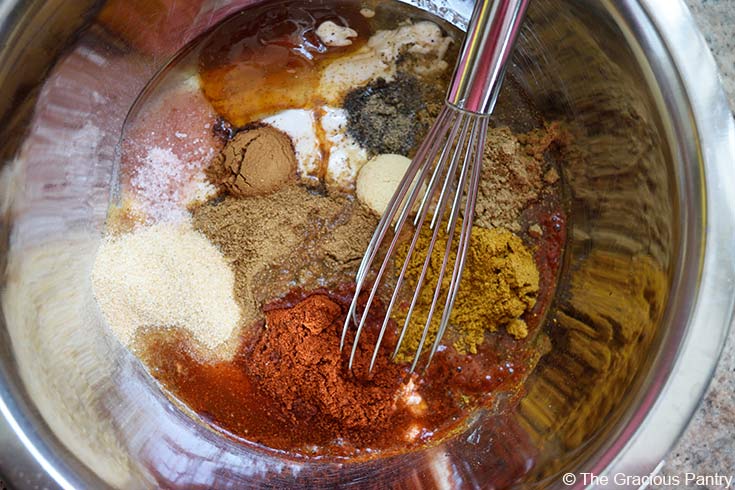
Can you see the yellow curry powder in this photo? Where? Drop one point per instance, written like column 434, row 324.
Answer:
column 499, row 284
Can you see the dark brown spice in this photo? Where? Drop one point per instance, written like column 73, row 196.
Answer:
column 256, row 161
column 384, row 116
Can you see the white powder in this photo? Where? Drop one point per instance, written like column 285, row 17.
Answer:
column 165, row 275
column 421, row 38
column 346, row 156
column 332, row 34
column 379, row 57
column 299, row 125
column 343, row 74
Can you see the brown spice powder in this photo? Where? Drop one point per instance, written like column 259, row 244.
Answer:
column 538, row 141
column 514, row 174
column 255, row 161
column 291, row 238
column 511, row 180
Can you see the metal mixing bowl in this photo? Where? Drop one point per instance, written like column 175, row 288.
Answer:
column 641, row 312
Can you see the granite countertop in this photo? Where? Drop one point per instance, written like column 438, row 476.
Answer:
column 708, row 445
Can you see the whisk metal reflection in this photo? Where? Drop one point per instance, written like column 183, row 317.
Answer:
column 446, row 169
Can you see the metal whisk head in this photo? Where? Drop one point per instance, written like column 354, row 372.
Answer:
column 439, row 189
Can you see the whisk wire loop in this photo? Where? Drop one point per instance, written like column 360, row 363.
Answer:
column 444, row 196
column 420, row 216
column 464, row 237
column 492, row 30
column 398, row 200
column 433, row 179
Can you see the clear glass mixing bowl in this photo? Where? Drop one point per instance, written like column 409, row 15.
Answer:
column 640, row 313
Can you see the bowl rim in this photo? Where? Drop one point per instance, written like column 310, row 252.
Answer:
column 660, row 417
column 665, row 39
column 686, row 370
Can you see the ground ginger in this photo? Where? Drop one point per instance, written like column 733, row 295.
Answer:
column 499, row 284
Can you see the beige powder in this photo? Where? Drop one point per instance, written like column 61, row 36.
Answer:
column 163, row 276
column 515, row 173
column 511, row 180
column 289, row 239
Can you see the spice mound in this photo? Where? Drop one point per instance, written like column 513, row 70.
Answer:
column 165, row 275
column 255, row 162
column 378, row 180
column 384, row 116
column 290, row 236
column 514, row 174
column 301, row 344
column 499, row 284
column 289, row 387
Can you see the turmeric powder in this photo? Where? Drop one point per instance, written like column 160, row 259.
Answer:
column 499, row 284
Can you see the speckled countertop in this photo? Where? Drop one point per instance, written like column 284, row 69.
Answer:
column 708, row 445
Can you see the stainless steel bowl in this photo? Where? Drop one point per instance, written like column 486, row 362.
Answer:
column 641, row 312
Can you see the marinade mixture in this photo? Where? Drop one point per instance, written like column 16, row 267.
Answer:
column 254, row 170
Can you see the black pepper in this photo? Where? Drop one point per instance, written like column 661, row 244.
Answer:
column 386, row 116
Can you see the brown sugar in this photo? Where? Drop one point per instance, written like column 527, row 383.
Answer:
column 254, row 162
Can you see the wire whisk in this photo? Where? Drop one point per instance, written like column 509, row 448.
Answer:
column 439, row 188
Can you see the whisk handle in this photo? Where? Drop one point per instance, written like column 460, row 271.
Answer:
column 487, row 48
